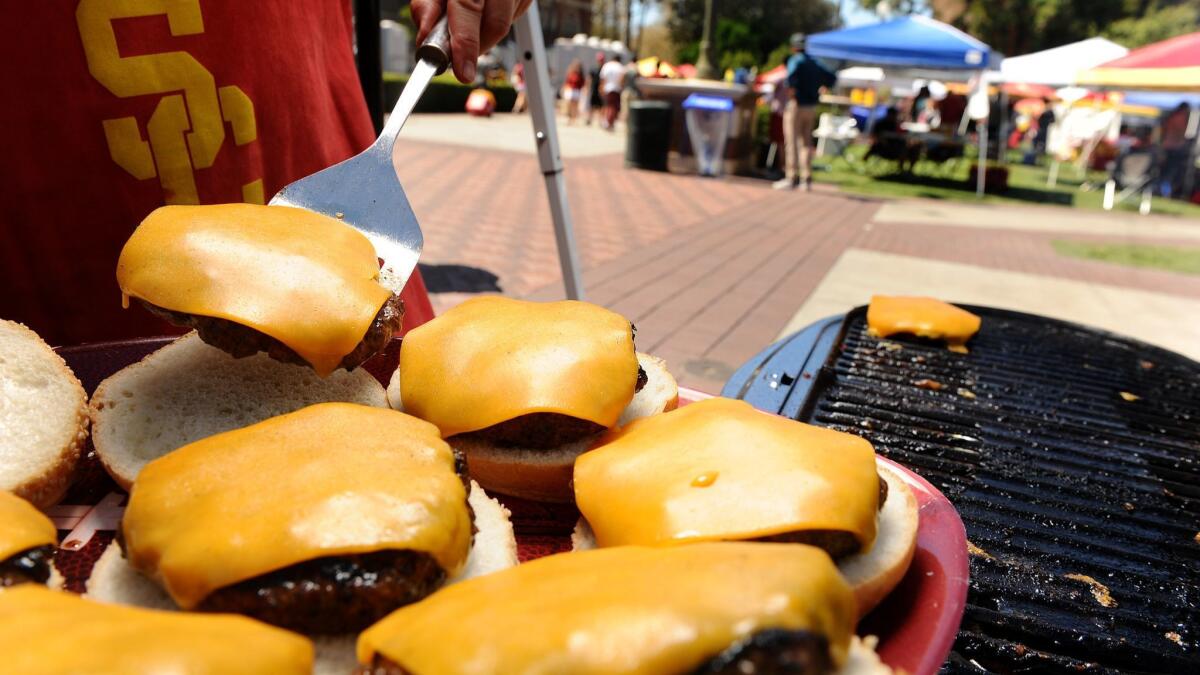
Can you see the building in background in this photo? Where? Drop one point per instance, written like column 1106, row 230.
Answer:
column 565, row 18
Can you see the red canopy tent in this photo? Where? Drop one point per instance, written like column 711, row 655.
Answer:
column 1171, row 65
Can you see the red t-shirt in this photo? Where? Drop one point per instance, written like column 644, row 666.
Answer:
column 114, row 109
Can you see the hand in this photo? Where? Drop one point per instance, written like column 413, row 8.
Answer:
column 475, row 26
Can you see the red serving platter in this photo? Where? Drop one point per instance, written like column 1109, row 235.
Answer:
column 916, row 624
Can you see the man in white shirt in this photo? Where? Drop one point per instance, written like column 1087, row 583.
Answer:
column 612, row 81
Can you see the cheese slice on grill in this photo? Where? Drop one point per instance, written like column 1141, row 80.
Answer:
column 719, row 470
column 22, row 526
column 49, row 632
column 330, row 479
column 305, row 279
column 621, row 610
column 492, row 359
column 923, row 317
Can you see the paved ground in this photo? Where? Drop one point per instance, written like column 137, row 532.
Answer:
column 711, row 271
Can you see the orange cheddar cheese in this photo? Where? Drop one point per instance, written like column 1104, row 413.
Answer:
column 923, row 317
column 305, row 279
column 330, row 479
column 628, row 610
column 22, row 526
column 721, row 470
column 50, row 632
column 492, row 359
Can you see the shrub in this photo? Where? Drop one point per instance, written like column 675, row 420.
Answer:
column 444, row 95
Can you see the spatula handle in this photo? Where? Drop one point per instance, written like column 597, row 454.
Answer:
column 436, row 47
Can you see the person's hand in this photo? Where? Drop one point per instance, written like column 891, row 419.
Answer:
column 475, row 26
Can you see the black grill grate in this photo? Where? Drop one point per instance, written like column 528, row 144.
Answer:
column 1055, row 472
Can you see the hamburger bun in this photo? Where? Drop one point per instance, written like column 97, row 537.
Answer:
column 494, row 548
column 545, row 475
column 189, row 390
column 43, row 415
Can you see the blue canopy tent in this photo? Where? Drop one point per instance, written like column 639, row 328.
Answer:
column 908, row 42
column 911, row 42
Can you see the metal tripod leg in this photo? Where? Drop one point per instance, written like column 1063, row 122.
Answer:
column 541, row 110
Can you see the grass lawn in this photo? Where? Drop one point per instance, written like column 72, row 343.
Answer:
column 1185, row 260
column 1026, row 184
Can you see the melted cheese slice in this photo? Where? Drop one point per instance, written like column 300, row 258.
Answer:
column 923, row 317
column 492, row 359
column 304, row 279
column 330, row 479
column 22, row 526
column 720, row 470
column 621, row 610
column 51, row 632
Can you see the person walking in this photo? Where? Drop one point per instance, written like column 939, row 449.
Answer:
column 573, row 89
column 595, row 99
column 612, row 81
column 518, row 83
column 806, row 77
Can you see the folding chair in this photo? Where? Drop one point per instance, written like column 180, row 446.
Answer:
column 1133, row 171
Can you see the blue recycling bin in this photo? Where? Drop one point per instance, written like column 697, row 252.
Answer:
column 708, row 122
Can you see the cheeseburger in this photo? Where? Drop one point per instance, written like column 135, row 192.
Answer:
column 27, row 542
column 321, row 521
column 709, row 608
column 720, row 470
column 52, row 632
column 923, row 317
column 522, row 388
column 302, row 287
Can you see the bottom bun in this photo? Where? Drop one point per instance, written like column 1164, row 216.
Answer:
column 872, row 574
column 545, row 475
column 875, row 573
column 862, row 659
column 115, row 581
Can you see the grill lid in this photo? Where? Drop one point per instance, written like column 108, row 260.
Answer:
column 1072, row 456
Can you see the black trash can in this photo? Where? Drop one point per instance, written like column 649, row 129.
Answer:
column 649, row 135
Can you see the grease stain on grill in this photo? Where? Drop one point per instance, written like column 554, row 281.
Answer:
column 1099, row 590
column 972, row 549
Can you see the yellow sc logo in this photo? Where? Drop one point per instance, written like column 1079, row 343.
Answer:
column 187, row 127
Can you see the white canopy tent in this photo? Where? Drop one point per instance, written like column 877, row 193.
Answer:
column 1059, row 66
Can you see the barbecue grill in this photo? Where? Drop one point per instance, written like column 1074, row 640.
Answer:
column 1072, row 455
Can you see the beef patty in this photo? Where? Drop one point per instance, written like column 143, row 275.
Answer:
column 242, row 341
column 28, row 566
column 544, row 431
column 767, row 652
column 335, row 594
column 837, row 543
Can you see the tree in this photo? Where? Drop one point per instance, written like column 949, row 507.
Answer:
column 886, row 8
column 745, row 30
column 1161, row 21
column 1021, row 26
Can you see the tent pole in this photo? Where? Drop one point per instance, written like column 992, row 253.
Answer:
column 541, row 112
column 1002, row 142
column 981, row 172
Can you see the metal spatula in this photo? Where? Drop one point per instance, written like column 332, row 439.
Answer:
column 364, row 191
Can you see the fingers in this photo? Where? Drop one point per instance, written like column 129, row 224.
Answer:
column 425, row 14
column 465, row 17
column 497, row 19
column 475, row 26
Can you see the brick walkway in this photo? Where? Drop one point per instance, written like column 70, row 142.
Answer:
column 709, row 270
